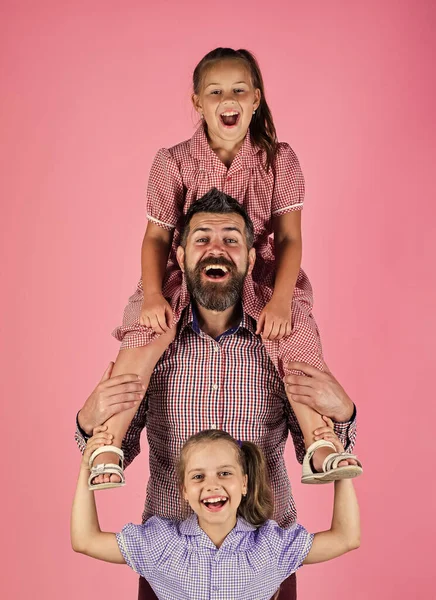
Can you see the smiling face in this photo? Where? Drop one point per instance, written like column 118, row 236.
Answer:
column 214, row 484
column 216, row 259
column 226, row 101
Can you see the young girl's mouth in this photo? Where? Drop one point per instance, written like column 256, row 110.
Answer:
column 214, row 504
column 229, row 118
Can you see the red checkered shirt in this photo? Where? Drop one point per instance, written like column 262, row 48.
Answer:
column 182, row 174
column 226, row 383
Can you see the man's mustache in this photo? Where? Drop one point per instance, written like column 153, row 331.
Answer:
column 219, row 260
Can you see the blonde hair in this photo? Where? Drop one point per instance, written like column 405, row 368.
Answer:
column 258, row 505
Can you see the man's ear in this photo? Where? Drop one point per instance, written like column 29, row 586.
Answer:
column 251, row 260
column 196, row 103
column 180, row 255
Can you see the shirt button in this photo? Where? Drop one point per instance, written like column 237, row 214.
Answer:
column 216, row 349
column 213, row 426
column 215, row 386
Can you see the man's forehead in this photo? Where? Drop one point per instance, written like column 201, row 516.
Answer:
column 217, row 222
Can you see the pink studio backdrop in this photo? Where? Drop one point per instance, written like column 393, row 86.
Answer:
column 89, row 92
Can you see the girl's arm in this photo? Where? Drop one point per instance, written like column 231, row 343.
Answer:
column 156, row 312
column 86, row 535
column 344, row 533
column 275, row 319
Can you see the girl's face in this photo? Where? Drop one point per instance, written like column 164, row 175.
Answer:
column 214, row 483
column 226, row 101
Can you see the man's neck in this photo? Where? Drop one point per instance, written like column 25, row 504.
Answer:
column 215, row 323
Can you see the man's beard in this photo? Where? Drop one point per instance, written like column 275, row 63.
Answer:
column 215, row 296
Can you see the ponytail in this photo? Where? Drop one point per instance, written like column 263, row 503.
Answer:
column 258, row 505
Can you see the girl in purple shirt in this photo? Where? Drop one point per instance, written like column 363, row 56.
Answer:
column 229, row 547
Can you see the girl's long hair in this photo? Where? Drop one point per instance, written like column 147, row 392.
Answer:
column 262, row 129
column 258, row 505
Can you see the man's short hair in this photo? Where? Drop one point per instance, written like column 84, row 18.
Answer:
column 217, row 202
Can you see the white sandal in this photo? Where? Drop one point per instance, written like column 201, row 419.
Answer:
column 110, row 468
column 330, row 469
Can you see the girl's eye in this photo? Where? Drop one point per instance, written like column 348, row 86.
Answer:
column 216, row 92
column 197, row 477
column 239, row 91
column 225, row 473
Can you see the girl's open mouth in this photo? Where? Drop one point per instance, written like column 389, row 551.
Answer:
column 229, row 118
column 215, row 504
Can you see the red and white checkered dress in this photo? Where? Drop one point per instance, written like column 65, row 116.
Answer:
column 179, row 176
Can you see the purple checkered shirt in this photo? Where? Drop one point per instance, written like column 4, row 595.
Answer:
column 226, row 383
column 181, row 563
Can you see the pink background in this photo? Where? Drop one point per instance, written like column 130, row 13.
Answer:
column 89, row 92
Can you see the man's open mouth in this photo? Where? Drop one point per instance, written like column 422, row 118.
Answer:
column 229, row 118
column 215, row 272
column 215, row 504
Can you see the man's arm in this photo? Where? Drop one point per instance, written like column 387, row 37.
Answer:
column 321, row 391
column 112, row 396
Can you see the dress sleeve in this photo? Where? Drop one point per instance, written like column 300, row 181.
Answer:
column 291, row 546
column 165, row 194
column 142, row 545
column 288, row 194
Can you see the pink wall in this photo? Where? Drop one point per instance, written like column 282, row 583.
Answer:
column 89, row 92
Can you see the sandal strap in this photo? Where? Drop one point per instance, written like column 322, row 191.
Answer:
column 332, row 460
column 103, row 449
column 103, row 469
column 318, row 444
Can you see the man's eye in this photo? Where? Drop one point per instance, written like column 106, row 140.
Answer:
column 216, row 92
column 201, row 240
column 231, row 241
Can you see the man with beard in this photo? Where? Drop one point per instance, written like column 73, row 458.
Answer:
column 216, row 373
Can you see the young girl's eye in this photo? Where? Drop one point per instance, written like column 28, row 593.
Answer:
column 197, row 477
column 225, row 473
column 239, row 91
column 216, row 92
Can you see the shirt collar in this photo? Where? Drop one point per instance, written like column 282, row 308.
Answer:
column 200, row 149
column 190, row 527
column 190, row 317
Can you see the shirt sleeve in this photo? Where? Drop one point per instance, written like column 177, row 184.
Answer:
column 346, row 432
column 143, row 545
column 288, row 194
column 165, row 195
column 290, row 546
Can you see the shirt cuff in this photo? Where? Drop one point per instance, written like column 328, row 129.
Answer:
column 85, row 436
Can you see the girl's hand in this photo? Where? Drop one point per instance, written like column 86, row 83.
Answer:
column 275, row 321
column 328, row 433
column 100, row 437
column 156, row 313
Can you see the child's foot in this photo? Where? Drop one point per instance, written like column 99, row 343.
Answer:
column 321, row 454
column 106, row 458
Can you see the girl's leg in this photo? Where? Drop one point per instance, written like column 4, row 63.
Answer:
column 140, row 361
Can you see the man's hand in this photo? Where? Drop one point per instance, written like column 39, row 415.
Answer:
column 100, row 437
column 156, row 313
column 319, row 390
column 110, row 397
column 275, row 321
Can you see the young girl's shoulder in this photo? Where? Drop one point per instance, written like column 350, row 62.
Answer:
column 179, row 154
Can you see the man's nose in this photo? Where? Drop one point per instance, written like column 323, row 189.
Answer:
column 216, row 247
